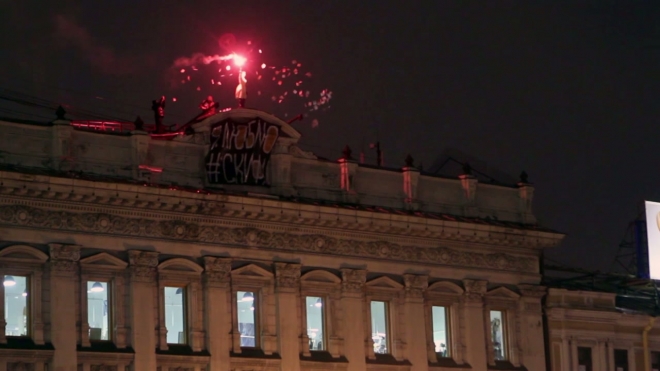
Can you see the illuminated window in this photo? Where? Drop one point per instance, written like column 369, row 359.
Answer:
column 98, row 315
column 315, row 322
column 16, row 305
column 246, row 309
column 175, row 315
column 440, row 331
column 498, row 334
column 380, row 327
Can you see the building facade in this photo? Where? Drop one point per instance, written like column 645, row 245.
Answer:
column 590, row 330
column 226, row 247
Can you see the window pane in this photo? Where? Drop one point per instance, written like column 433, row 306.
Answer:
column 584, row 359
column 16, row 309
column 175, row 315
column 98, row 317
column 440, row 331
column 247, row 325
column 379, row 327
column 315, row 323
column 497, row 334
column 621, row 359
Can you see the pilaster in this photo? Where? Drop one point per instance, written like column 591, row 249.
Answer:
column 280, row 168
column 469, row 185
column 142, row 268
column 217, row 300
column 62, row 270
column 533, row 356
column 139, row 151
column 61, row 144
column 526, row 196
column 415, row 285
column 287, row 284
column 475, row 333
column 410, row 185
column 353, row 281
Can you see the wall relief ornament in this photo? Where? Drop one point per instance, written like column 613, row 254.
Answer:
column 179, row 230
column 217, row 270
column 143, row 265
column 287, row 275
column 353, row 280
column 475, row 289
column 415, row 284
column 64, row 252
column 533, row 291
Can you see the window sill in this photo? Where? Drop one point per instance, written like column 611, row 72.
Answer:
column 23, row 342
column 506, row 365
column 388, row 359
column 103, row 346
column 182, row 350
column 446, row 362
column 323, row 356
column 254, row 353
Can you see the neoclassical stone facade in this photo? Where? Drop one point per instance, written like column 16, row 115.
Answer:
column 118, row 252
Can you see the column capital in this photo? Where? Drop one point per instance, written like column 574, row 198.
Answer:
column 287, row 276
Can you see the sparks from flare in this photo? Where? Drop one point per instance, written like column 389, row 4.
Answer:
column 288, row 83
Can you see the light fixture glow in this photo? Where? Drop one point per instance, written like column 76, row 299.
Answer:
column 9, row 281
column 25, row 293
column 319, row 303
column 248, row 296
column 97, row 287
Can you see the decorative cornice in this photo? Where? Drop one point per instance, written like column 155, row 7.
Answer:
column 178, row 230
column 208, row 205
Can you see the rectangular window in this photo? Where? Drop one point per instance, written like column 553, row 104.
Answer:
column 98, row 316
column 440, row 331
column 621, row 359
column 315, row 323
column 584, row 359
column 16, row 305
column 380, row 327
column 498, row 334
column 246, row 308
column 175, row 315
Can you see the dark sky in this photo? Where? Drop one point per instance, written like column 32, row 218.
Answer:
column 566, row 90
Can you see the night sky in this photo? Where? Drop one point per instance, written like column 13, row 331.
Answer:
column 566, row 90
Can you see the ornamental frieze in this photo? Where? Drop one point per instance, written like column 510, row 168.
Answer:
column 177, row 230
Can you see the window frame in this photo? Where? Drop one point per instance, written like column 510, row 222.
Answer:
column 185, row 274
column 25, row 261
column 28, row 305
column 256, row 303
column 445, row 294
column 252, row 277
column 104, row 267
column 504, row 300
column 391, row 292
column 505, row 335
column 326, row 285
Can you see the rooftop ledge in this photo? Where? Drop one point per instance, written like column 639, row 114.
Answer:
column 253, row 155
